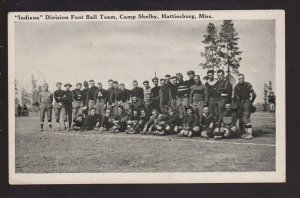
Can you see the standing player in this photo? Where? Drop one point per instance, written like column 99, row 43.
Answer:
column 147, row 93
column 211, row 86
column 68, row 99
column 45, row 99
column 154, row 97
column 100, row 99
column 90, row 100
column 109, row 93
column 173, row 91
column 77, row 101
column 223, row 93
column 137, row 91
column 245, row 96
column 191, row 80
column 168, row 79
column 123, row 97
column 198, row 96
column 164, row 96
column 272, row 102
column 59, row 107
column 183, row 91
column 84, row 97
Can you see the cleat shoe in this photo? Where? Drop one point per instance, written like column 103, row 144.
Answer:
column 58, row 129
column 248, row 136
column 190, row 134
column 217, row 137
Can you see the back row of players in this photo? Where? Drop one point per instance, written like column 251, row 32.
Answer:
column 187, row 108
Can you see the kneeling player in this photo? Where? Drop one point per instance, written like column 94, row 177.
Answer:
column 106, row 121
column 158, row 126
column 226, row 124
column 142, row 121
column 150, row 122
column 173, row 122
column 132, row 122
column 119, row 121
column 207, row 123
column 91, row 121
column 190, row 124
column 78, row 123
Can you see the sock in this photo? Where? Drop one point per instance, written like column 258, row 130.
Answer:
column 42, row 125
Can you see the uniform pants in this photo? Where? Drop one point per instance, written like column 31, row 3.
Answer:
column 126, row 106
column 68, row 114
column 46, row 108
column 198, row 107
column 211, row 106
column 91, row 104
column 272, row 107
column 244, row 113
column 58, row 110
column 77, row 109
column 219, row 106
column 181, row 104
column 100, row 110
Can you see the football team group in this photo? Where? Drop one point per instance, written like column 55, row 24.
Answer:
column 188, row 108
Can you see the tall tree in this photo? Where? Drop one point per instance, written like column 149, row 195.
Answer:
column 211, row 40
column 229, row 50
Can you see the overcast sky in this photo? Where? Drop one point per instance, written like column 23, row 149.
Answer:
column 126, row 51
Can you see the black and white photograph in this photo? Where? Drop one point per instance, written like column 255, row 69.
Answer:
column 146, row 97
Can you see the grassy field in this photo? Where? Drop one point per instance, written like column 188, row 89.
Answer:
column 68, row 152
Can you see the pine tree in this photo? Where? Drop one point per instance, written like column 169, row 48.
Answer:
column 229, row 51
column 211, row 40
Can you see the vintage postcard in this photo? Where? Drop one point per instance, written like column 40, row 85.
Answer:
column 147, row 97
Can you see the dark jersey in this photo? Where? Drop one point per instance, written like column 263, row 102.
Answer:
column 138, row 92
column 77, row 95
column 211, row 90
column 272, row 99
column 59, row 96
column 243, row 91
column 173, row 120
column 109, row 95
column 191, row 121
column 123, row 95
column 154, row 93
column 90, row 122
column 84, row 95
column 164, row 95
column 228, row 118
column 68, row 98
column 91, row 93
column 101, row 94
column 114, row 94
column 173, row 91
column 223, row 87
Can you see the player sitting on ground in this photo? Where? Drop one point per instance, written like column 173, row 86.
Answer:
column 142, row 121
column 78, row 122
column 173, row 122
column 91, row 121
column 106, row 121
column 227, row 124
column 207, row 123
column 119, row 121
column 150, row 122
column 158, row 126
column 132, row 122
column 190, row 124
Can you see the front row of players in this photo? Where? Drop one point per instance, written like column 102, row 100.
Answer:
column 138, row 122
